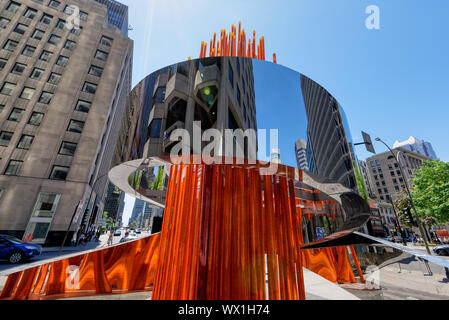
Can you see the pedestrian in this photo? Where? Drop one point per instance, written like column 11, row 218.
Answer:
column 111, row 238
column 81, row 239
column 125, row 238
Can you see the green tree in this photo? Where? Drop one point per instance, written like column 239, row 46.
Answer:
column 133, row 225
column 403, row 207
column 431, row 191
column 158, row 183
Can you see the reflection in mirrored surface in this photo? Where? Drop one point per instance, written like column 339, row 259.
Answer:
column 187, row 108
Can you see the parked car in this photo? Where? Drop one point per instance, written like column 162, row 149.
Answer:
column 442, row 250
column 138, row 231
column 15, row 250
column 117, row 233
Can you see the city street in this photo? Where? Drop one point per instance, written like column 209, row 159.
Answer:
column 51, row 253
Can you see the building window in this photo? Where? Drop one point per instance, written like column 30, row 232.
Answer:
column 2, row 106
column 67, row 149
column 3, row 63
column 54, row 3
column 76, row 31
column 399, row 172
column 83, row 15
column 396, row 188
column 12, row 6
column 19, row 68
column 231, row 75
column 46, row 56
column 28, row 51
column 68, row 9
column 60, row 24
column 16, row 115
column 27, row 93
column 62, row 61
column 395, row 181
column 54, row 39
column 25, row 142
column 8, row 88
column 38, row 34
column 46, row 18
column 377, row 162
column 10, row 45
column 89, row 87
column 4, row 22
column 155, row 128
column 13, row 168
column 30, row 13
column 69, row 45
column 106, row 41
column 392, row 173
column 95, row 71
column 5, row 138
column 37, row 73
column 76, row 126
column 36, row 119
column 101, row 55
column 59, row 173
column 54, row 78
column 83, row 106
column 45, row 97
column 20, row 28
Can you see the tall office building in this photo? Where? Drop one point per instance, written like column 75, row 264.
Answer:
column 301, row 154
column 419, row 146
column 63, row 92
column 329, row 147
column 385, row 174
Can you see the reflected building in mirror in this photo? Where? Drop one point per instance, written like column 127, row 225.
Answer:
column 218, row 92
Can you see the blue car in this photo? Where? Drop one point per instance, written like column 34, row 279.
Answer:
column 15, row 250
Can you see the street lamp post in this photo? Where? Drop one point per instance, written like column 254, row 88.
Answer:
column 398, row 224
column 421, row 230
column 74, row 213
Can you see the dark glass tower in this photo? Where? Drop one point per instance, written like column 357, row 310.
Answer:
column 117, row 14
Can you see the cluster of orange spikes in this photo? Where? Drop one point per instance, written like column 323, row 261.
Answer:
column 233, row 44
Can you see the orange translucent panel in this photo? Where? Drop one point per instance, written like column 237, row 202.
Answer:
column 228, row 233
column 233, row 44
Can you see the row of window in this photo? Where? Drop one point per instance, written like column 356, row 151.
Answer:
column 29, row 51
column 57, row 173
column 45, row 97
column 31, row 13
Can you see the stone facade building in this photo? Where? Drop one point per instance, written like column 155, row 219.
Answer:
column 63, row 92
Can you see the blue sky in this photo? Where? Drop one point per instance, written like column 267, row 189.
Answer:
column 392, row 82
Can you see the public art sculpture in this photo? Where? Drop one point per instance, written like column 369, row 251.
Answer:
column 232, row 229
